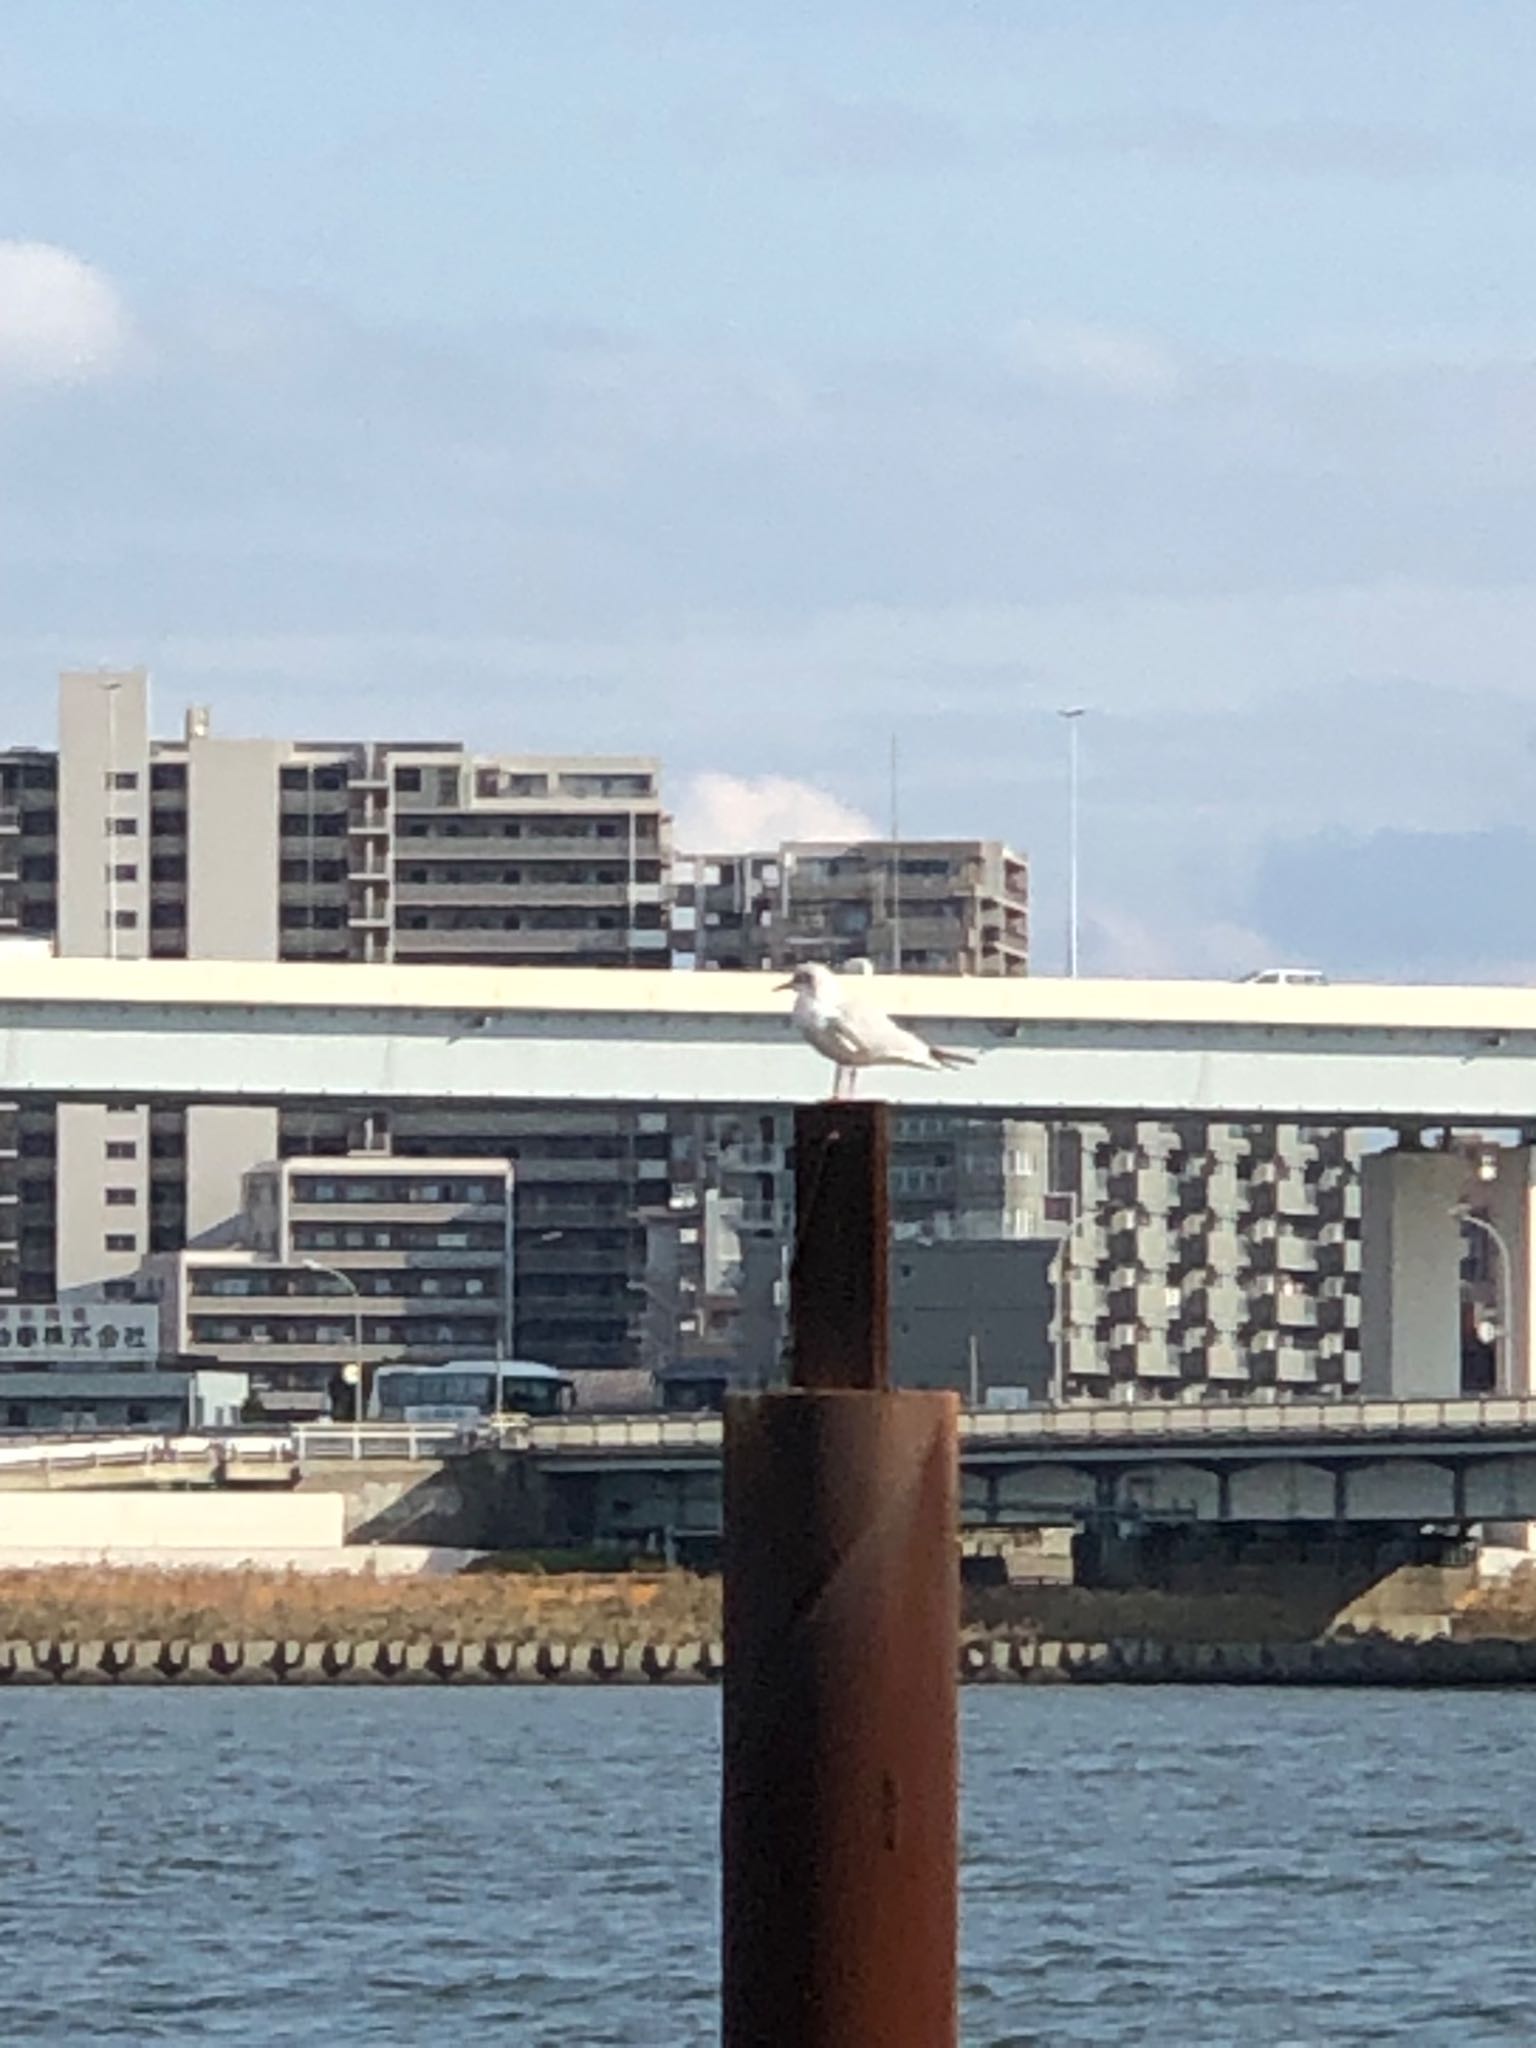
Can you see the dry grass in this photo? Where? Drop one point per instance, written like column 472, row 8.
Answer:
column 1505, row 1608
column 89, row 1603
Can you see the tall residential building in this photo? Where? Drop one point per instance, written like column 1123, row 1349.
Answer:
column 333, row 1260
column 1207, row 1259
column 199, row 847
column 1194, row 1261
column 927, row 906
column 920, row 906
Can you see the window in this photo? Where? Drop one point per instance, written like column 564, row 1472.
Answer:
column 137, row 1412
column 121, row 1241
column 122, row 778
column 122, row 1198
column 122, row 1148
column 168, row 775
column 123, row 828
column 125, row 871
column 293, row 778
column 408, row 779
column 126, row 920
column 16, row 1415
column 118, row 1290
column 168, row 867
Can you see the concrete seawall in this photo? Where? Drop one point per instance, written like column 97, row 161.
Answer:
column 556, row 1661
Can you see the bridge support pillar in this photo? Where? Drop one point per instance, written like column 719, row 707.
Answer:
column 1410, row 1276
column 1506, row 1201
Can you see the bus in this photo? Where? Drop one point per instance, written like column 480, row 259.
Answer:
column 467, row 1390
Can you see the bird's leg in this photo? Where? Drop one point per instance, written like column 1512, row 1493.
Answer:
column 853, row 1082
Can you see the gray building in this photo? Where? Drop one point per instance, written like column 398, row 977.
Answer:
column 1208, row 1260
column 918, row 906
column 925, row 906
column 128, row 846
column 974, row 1317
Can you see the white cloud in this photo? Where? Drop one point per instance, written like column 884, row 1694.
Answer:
column 1095, row 359
column 61, row 321
column 740, row 813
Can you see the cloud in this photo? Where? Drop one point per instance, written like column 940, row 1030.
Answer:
column 741, row 813
column 61, row 321
column 1106, row 360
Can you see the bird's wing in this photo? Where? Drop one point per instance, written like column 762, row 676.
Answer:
column 841, row 1037
column 882, row 1042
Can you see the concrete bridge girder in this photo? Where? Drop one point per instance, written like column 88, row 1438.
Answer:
column 1286, row 1490
column 1502, row 1489
column 1011, row 1491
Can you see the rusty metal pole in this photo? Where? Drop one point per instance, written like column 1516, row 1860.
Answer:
column 841, row 1625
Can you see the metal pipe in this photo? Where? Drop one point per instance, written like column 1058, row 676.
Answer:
column 841, row 1623
column 840, row 1755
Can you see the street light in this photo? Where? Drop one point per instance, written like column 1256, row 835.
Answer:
column 1466, row 1215
column 350, row 1285
column 1074, row 715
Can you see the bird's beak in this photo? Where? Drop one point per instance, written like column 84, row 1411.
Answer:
column 780, row 987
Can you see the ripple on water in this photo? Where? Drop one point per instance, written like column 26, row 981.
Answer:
column 1238, row 1869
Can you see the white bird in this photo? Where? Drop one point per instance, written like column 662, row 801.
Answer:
column 853, row 1034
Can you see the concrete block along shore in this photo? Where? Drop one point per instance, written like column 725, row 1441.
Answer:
column 983, row 1660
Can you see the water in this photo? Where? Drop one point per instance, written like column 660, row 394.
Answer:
column 1239, row 1869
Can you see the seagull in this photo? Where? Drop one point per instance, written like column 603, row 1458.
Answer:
column 853, row 1034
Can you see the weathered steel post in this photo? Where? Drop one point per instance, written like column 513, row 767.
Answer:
column 841, row 1627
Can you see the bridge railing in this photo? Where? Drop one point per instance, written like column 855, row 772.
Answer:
column 83, row 1453
column 408, row 1442
column 1086, row 1423
column 625, row 1433
column 1095, row 1423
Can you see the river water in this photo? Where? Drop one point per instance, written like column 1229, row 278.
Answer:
column 1243, row 1869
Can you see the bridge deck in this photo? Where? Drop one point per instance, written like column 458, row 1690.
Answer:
column 222, row 1031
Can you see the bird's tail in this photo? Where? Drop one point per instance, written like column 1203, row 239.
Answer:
column 947, row 1056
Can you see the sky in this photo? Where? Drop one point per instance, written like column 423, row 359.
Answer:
column 754, row 389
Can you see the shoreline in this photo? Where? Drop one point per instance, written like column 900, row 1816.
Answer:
column 1488, row 1661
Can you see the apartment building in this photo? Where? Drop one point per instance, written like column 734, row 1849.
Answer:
column 335, row 1261
column 1205, row 1260
column 925, row 906
column 128, row 846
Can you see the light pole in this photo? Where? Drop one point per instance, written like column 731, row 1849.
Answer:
column 350, row 1286
column 1468, row 1215
column 1073, row 715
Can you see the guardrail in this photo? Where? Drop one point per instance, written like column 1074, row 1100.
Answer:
column 1112, row 1423
column 615, row 1435
column 411, row 1442
column 1083, row 1424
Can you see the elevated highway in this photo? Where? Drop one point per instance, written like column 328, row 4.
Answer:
column 222, row 1032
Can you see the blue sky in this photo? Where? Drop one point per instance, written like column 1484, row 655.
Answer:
column 742, row 386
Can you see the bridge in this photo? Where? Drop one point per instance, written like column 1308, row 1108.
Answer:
column 1339, row 1469
column 1328, row 1464
column 233, row 1032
